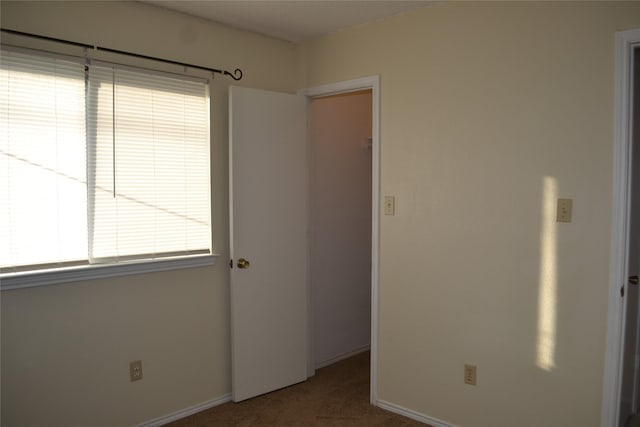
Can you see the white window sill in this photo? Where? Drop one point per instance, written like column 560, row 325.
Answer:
column 73, row 274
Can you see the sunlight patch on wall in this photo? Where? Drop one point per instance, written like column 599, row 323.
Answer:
column 547, row 287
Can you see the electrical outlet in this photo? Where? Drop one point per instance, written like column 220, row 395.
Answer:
column 470, row 374
column 564, row 210
column 135, row 370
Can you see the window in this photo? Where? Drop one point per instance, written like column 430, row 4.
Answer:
column 100, row 164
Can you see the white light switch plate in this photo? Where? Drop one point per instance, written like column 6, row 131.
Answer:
column 564, row 210
column 389, row 205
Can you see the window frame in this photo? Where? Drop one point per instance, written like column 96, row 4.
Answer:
column 55, row 276
column 83, row 270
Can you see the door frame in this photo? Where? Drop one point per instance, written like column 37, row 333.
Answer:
column 626, row 41
column 366, row 83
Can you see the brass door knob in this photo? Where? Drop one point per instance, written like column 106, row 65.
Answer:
column 243, row 263
column 634, row 280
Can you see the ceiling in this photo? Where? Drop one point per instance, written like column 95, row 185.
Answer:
column 295, row 21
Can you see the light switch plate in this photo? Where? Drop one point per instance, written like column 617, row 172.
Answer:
column 389, row 205
column 470, row 374
column 135, row 370
column 564, row 210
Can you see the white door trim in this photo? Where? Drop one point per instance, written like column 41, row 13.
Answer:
column 373, row 83
column 625, row 42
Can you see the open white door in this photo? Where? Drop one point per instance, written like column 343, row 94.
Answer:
column 269, row 275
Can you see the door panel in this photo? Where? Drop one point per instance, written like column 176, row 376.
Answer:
column 269, row 204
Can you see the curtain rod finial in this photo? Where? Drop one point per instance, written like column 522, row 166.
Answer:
column 233, row 75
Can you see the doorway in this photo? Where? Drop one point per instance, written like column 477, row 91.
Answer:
column 271, row 120
column 372, row 84
column 340, row 145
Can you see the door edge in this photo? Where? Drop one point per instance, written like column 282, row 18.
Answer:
column 625, row 42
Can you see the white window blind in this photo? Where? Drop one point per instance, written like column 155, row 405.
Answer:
column 100, row 164
column 148, row 165
column 42, row 160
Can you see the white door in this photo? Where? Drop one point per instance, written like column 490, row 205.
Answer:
column 269, row 275
column 630, row 377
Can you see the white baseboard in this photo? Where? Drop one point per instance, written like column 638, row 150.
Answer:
column 166, row 419
column 343, row 356
column 391, row 407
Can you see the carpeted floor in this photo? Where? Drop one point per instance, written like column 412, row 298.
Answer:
column 634, row 421
column 337, row 395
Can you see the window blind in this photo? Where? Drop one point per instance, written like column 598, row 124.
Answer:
column 148, row 165
column 100, row 163
column 42, row 160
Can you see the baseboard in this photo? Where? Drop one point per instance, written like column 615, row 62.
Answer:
column 166, row 419
column 391, row 407
column 343, row 356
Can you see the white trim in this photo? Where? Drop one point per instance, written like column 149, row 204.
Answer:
column 347, row 86
column 89, row 272
column 342, row 356
column 392, row 407
column 625, row 42
column 166, row 419
column 311, row 341
column 373, row 83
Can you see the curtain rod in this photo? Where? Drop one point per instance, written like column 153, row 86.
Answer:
column 237, row 72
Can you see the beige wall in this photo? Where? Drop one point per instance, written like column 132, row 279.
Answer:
column 66, row 348
column 479, row 103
